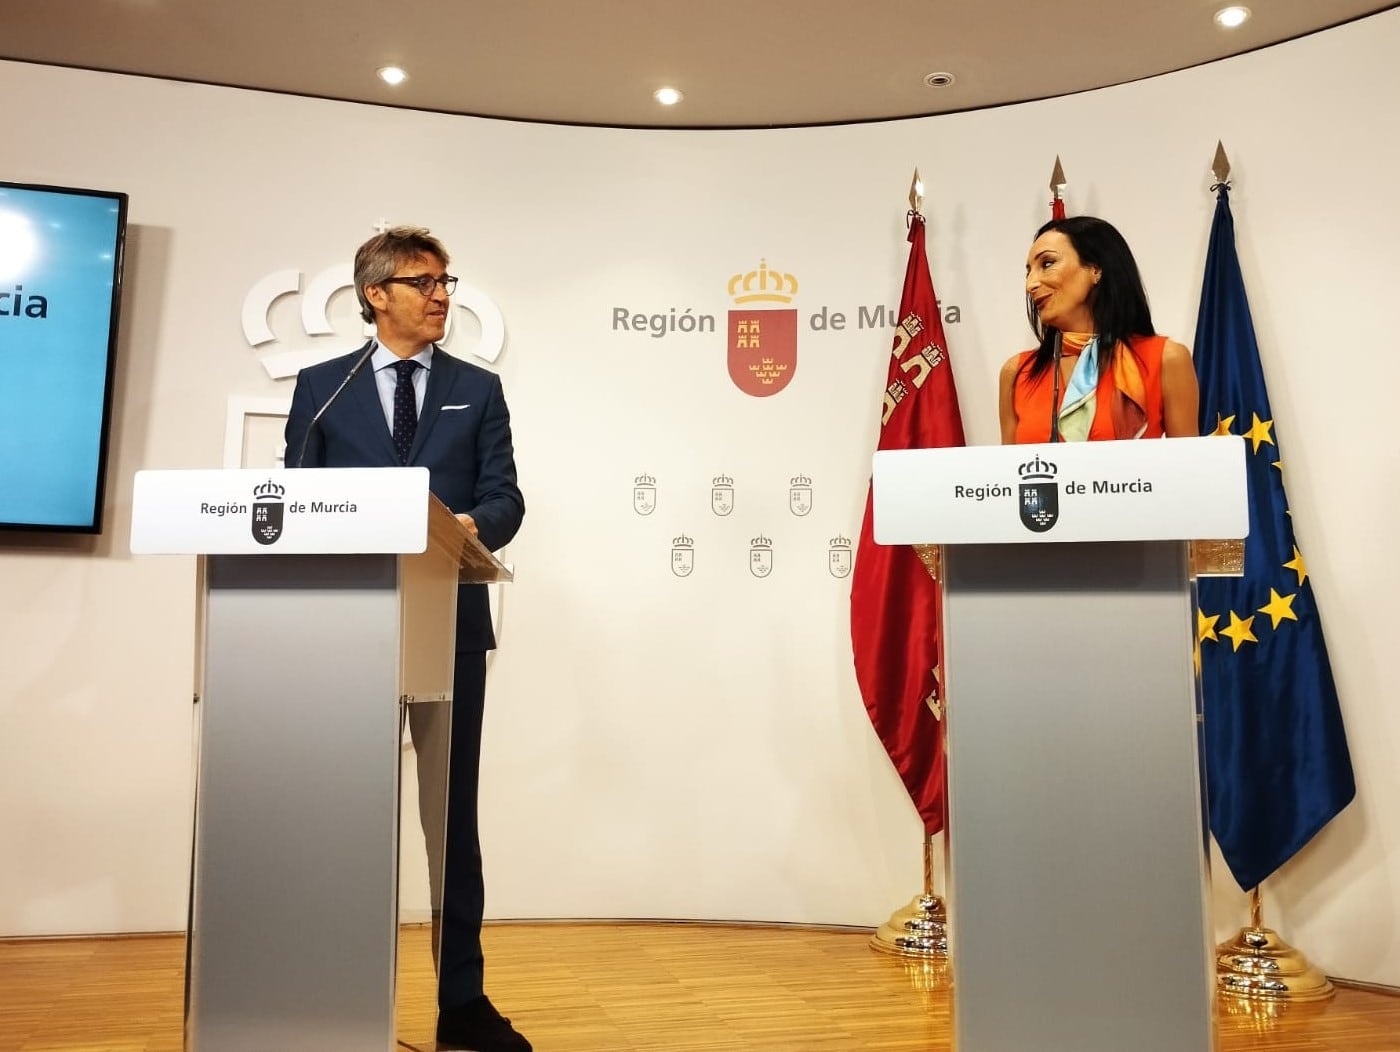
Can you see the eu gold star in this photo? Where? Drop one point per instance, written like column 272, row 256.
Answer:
column 1259, row 432
column 1222, row 425
column 1205, row 626
column 1280, row 607
column 1205, row 629
column 1241, row 631
column 1297, row 565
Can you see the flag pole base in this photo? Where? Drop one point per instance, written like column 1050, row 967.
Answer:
column 920, row 929
column 1257, row 965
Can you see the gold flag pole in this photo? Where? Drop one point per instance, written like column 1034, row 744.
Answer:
column 920, row 929
column 1257, row 965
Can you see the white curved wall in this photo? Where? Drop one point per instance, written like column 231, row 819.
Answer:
column 659, row 747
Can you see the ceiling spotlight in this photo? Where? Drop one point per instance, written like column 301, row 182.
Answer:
column 939, row 80
column 1231, row 17
column 391, row 75
column 667, row 96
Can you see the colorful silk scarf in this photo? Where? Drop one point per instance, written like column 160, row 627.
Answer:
column 1080, row 403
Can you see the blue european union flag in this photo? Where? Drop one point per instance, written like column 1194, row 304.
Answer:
column 1277, row 764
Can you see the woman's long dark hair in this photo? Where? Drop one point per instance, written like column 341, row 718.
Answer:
column 1118, row 302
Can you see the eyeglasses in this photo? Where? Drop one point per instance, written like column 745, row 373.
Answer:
column 425, row 283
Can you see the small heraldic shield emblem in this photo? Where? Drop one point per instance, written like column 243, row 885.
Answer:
column 644, row 494
column 683, row 556
column 1040, row 495
column 722, row 495
column 800, row 495
column 267, row 512
column 839, row 556
column 761, row 556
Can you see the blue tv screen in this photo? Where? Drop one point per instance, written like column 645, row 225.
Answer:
column 60, row 289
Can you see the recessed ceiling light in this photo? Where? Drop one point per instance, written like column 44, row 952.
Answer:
column 1231, row 17
column 940, row 79
column 391, row 75
column 668, row 96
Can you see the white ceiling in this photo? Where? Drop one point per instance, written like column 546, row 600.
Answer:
column 757, row 63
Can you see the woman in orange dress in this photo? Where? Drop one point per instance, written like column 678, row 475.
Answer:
column 1100, row 372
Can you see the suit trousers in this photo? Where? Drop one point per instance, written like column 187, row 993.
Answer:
column 454, row 854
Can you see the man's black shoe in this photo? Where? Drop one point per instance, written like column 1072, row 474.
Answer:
column 477, row 1026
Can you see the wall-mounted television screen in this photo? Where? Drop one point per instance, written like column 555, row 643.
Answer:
column 60, row 289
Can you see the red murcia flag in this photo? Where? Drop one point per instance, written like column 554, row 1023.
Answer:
column 762, row 342
column 895, row 603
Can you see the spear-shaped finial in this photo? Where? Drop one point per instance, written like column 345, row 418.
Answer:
column 1057, row 183
column 1220, row 166
column 916, row 193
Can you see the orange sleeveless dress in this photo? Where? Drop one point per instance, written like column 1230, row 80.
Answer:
column 1031, row 398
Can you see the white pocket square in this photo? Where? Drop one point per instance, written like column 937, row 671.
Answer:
column 464, row 405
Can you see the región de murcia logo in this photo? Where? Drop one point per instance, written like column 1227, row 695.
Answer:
column 762, row 343
column 1040, row 495
column 268, row 509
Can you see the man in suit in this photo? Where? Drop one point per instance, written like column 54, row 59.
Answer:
column 407, row 402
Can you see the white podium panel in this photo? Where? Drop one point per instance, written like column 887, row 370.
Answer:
column 1165, row 489
column 307, row 511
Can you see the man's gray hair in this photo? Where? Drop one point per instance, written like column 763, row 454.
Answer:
column 378, row 258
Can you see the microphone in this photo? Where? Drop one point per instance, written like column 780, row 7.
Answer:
column 306, row 438
column 1055, row 355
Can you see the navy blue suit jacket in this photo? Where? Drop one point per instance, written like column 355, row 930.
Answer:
column 463, row 439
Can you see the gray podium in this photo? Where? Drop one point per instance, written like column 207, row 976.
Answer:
column 1078, row 889
column 310, row 645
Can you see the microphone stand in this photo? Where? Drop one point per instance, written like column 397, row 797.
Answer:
column 1055, row 356
column 306, row 438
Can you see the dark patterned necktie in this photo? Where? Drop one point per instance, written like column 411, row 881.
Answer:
column 405, row 408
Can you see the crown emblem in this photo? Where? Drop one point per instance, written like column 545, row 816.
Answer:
column 801, row 480
column 1038, row 469
column 683, row 542
column 646, row 480
column 761, row 542
column 723, row 480
column 840, row 541
column 763, row 286
column 269, row 490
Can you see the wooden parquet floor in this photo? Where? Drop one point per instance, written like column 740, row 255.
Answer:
column 611, row 988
